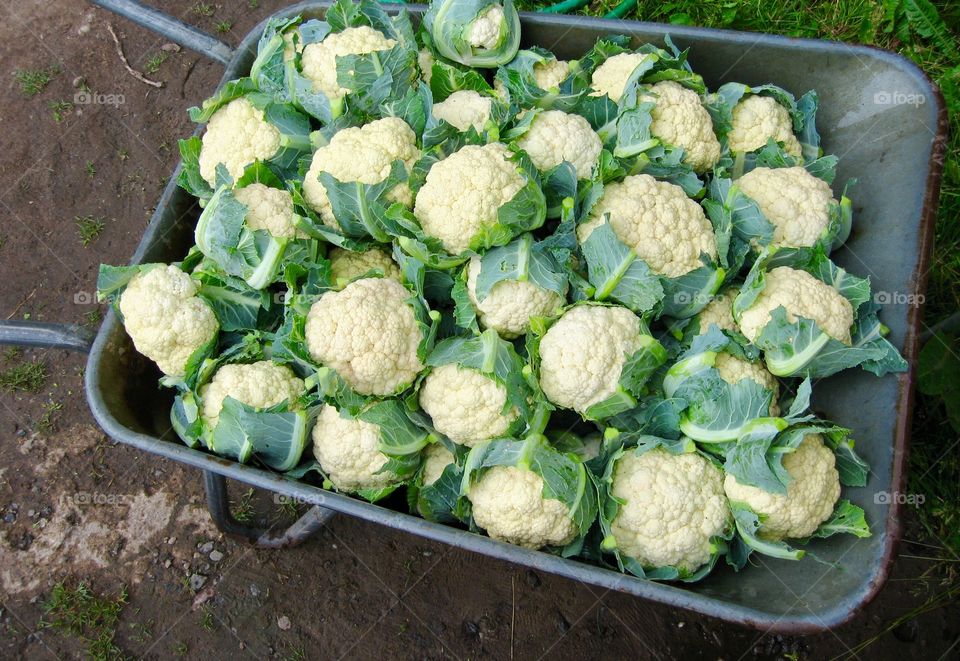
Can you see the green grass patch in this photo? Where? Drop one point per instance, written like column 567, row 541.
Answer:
column 34, row 81
column 24, row 377
column 79, row 612
column 89, row 229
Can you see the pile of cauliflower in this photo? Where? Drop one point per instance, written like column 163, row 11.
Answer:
column 576, row 305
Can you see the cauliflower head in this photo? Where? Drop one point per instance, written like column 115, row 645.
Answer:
column 611, row 77
column 425, row 64
column 801, row 295
column 672, row 506
column 465, row 108
column 733, row 370
column 795, row 202
column 719, row 311
column 666, row 229
column 465, row 405
column 508, row 503
column 346, row 265
column 680, row 120
column 367, row 333
column 269, row 209
column 510, row 304
column 583, row 354
column 483, row 179
column 319, row 61
column 349, row 452
column 364, row 154
column 485, row 31
column 435, row 459
column 756, row 119
column 551, row 73
column 236, row 135
column 260, row 385
column 811, row 494
column 165, row 319
column 556, row 136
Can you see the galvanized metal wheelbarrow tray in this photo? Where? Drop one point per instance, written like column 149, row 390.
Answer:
column 879, row 113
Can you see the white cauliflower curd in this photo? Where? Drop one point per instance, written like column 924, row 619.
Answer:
column 259, row 385
column 733, row 370
column 165, row 319
column 812, row 492
column 367, row 333
column 435, row 460
column 347, row 265
column 362, row 154
column 510, row 304
column 463, row 109
column 582, row 355
column 269, row 209
column 611, row 77
column 319, row 61
column 236, row 135
column 801, row 295
column 795, row 202
column 663, row 226
column 551, row 73
column 487, row 30
column 508, row 503
column 672, row 506
column 556, row 136
column 465, row 405
column 719, row 311
column 464, row 192
column 757, row 119
column 348, row 451
column 680, row 120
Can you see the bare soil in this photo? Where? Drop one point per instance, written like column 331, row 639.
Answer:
column 76, row 507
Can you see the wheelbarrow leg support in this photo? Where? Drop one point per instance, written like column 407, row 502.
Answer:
column 218, row 502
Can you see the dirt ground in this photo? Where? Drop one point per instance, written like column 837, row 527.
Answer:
column 75, row 507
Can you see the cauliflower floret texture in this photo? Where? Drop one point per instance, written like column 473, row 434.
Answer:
column 680, row 120
column 464, row 192
column 367, row 333
column 364, row 154
column 165, row 319
column 812, row 492
column 425, row 64
column 348, row 451
column 672, row 506
column 465, row 405
column 435, row 459
column 486, row 31
column 756, row 119
column 236, row 135
column 463, row 109
column 551, row 73
column 508, row 503
column 666, row 229
column 319, row 62
column 795, row 202
column 583, row 353
column 733, row 369
column 347, row 265
column 719, row 311
column 801, row 295
column 510, row 304
column 269, row 209
column 556, row 136
column 261, row 385
column 611, row 77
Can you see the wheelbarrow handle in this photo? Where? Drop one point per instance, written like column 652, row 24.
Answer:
column 173, row 29
column 51, row 336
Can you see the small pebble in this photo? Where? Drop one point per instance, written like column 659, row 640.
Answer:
column 254, row 590
column 197, row 581
column 216, row 556
column 206, row 547
column 172, row 541
column 284, row 623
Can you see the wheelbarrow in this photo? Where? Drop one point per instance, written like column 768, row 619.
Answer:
column 894, row 149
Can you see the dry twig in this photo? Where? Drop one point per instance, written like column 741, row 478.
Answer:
column 123, row 59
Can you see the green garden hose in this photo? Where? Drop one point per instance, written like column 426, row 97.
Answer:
column 566, row 6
